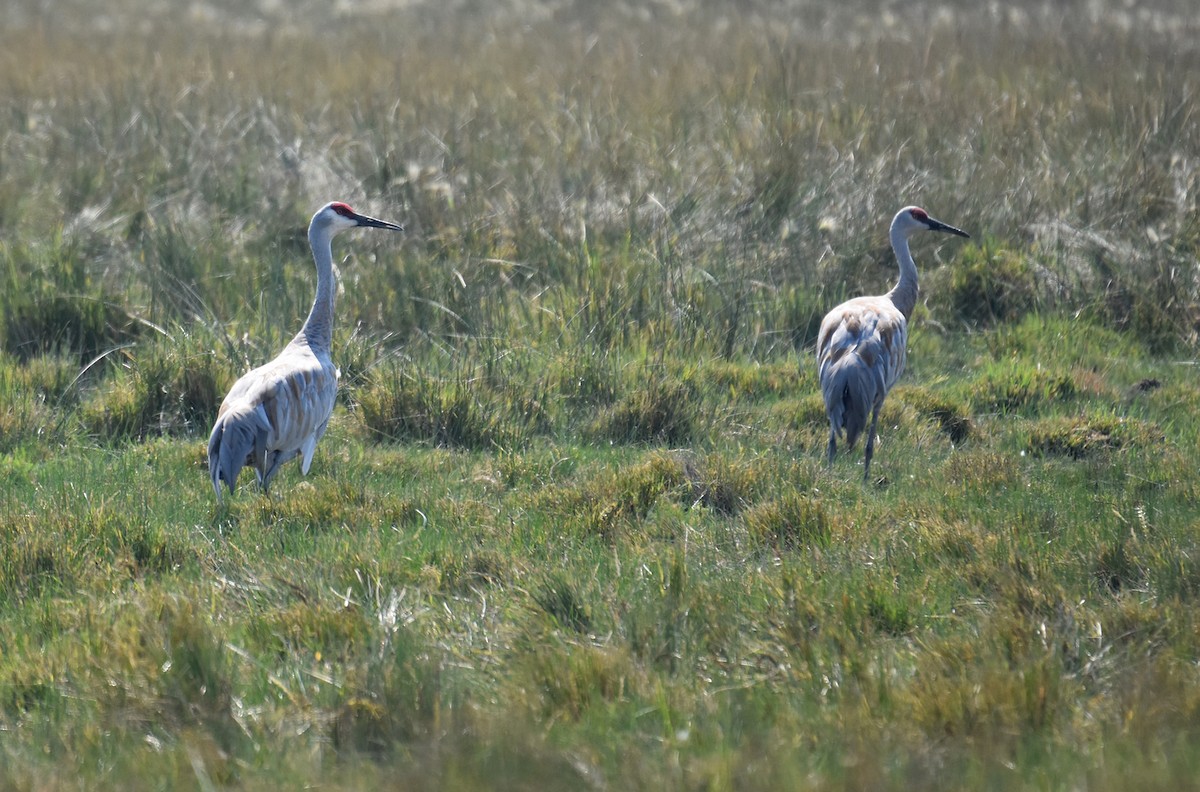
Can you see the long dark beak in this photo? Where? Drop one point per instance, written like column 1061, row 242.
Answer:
column 938, row 225
column 371, row 222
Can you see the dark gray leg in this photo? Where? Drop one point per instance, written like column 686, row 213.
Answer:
column 871, row 442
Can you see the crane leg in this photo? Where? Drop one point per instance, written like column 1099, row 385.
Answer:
column 832, row 445
column 274, row 460
column 870, row 451
column 277, row 460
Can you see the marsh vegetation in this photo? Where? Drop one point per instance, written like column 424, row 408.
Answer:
column 571, row 525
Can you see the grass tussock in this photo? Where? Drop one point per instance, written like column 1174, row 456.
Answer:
column 988, row 285
column 396, row 698
column 791, row 522
column 1020, row 386
column 1085, row 436
column 613, row 502
column 952, row 417
column 54, row 304
column 460, row 412
column 658, row 409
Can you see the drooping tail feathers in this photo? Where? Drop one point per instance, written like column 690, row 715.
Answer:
column 850, row 393
column 238, row 438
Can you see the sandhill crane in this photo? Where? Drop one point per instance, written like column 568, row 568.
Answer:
column 862, row 345
column 280, row 409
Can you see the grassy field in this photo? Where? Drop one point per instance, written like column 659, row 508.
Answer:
column 571, row 527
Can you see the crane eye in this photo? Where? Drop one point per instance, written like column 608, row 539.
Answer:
column 919, row 214
column 343, row 209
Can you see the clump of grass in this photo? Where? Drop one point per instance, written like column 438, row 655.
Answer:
column 952, row 417
column 951, row 542
column 888, row 612
column 756, row 381
column 166, row 673
column 790, row 522
column 612, row 501
column 27, row 688
column 119, row 415
column 356, row 355
column 982, row 470
column 627, row 496
column 1081, row 437
column 587, row 381
column 167, row 386
column 52, row 379
column 398, row 696
column 197, row 675
column 463, row 573
column 803, row 310
column 961, row 693
column 805, row 414
column 541, row 467
column 459, row 412
column 1018, row 580
column 144, row 549
column 985, row 285
column 1150, row 301
column 1156, row 698
column 311, row 628
column 725, row 485
column 658, row 409
column 37, row 397
column 50, row 554
column 1075, row 341
column 569, row 679
column 31, row 557
column 1170, row 568
column 310, row 509
column 83, row 326
column 1019, row 385
column 558, row 598
column 663, row 626
column 1115, row 568
column 55, row 306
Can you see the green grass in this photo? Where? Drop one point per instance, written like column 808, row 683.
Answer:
column 571, row 525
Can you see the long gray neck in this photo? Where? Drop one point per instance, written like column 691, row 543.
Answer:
column 904, row 294
column 317, row 331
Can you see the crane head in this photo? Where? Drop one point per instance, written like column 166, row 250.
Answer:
column 338, row 216
column 911, row 219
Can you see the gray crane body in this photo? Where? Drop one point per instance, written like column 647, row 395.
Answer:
column 862, row 344
column 281, row 409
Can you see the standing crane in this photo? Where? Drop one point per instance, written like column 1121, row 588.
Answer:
column 862, row 345
column 280, row 410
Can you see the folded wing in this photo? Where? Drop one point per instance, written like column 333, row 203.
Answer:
column 860, row 354
column 272, row 414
